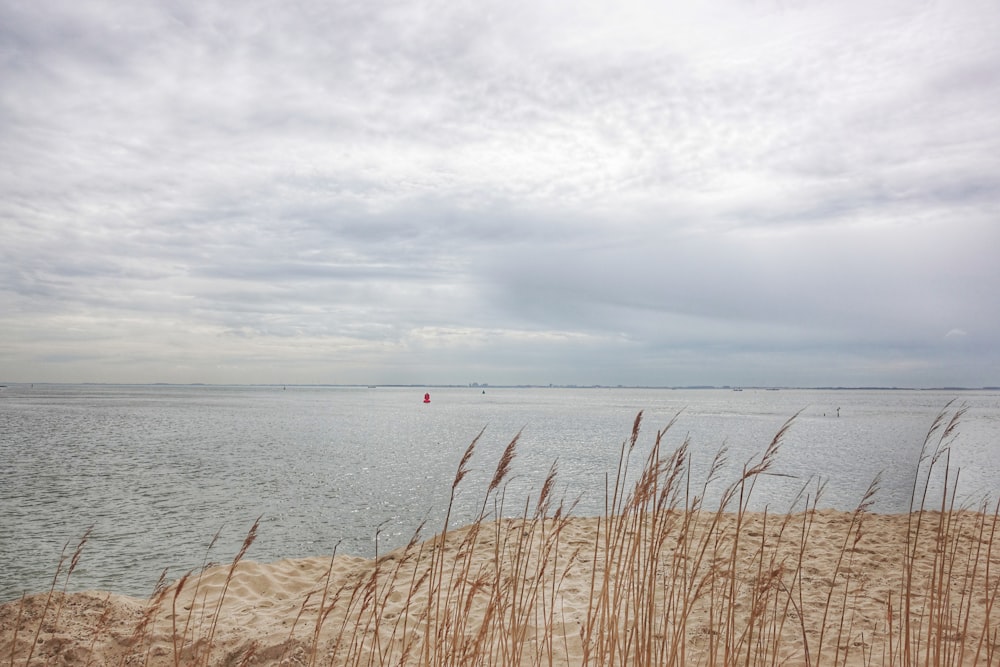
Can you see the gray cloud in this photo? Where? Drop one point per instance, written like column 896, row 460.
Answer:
column 747, row 193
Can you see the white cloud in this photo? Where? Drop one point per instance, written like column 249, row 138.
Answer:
column 575, row 192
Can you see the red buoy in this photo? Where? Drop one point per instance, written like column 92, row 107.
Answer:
column 427, row 398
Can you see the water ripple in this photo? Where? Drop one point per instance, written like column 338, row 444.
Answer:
column 158, row 471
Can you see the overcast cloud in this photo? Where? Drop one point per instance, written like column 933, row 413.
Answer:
column 769, row 192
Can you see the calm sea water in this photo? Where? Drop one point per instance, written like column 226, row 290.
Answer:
column 159, row 470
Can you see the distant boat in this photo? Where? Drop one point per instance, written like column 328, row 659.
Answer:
column 427, row 398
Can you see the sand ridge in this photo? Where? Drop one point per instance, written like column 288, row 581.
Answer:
column 798, row 589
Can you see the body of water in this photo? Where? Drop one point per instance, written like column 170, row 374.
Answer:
column 159, row 470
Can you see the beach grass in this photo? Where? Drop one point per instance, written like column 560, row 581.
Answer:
column 660, row 578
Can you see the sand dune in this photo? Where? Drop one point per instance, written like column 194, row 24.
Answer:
column 798, row 589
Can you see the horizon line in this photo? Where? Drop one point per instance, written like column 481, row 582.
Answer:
column 477, row 385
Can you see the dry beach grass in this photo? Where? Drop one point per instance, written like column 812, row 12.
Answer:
column 659, row 579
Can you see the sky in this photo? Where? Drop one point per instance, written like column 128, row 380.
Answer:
column 728, row 192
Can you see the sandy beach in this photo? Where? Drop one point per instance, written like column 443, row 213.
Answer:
column 693, row 588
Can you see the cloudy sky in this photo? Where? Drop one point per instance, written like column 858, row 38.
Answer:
column 745, row 192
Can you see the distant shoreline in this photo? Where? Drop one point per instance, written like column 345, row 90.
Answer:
column 497, row 386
